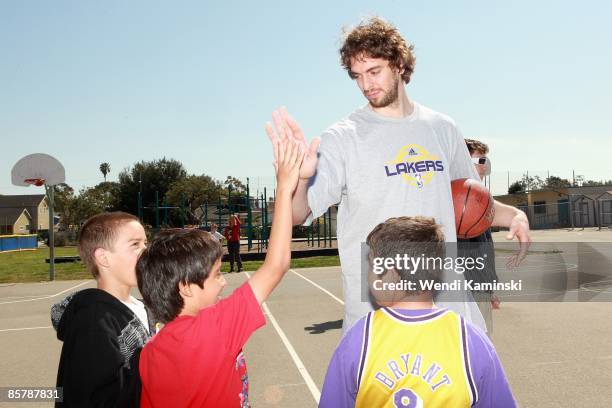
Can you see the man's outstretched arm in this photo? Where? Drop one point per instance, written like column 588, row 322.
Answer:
column 301, row 210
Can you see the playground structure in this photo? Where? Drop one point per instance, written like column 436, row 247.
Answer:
column 255, row 212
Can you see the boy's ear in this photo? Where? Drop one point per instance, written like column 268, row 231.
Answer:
column 101, row 257
column 184, row 290
column 390, row 275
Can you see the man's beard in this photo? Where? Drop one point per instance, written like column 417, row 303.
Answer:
column 389, row 97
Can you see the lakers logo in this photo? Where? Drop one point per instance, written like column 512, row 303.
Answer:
column 415, row 165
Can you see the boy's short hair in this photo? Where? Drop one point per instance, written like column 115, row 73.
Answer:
column 376, row 38
column 100, row 231
column 477, row 146
column 415, row 237
column 174, row 256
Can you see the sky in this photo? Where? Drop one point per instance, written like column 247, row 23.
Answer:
column 121, row 82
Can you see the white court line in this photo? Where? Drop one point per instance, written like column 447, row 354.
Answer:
column 549, row 363
column 317, row 286
column 316, row 394
column 45, row 297
column 291, row 385
column 19, row 297
column 27, row 328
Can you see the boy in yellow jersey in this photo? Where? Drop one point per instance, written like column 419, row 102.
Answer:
column 409, row 353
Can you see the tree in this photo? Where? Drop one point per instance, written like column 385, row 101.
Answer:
column 105, row 169
column 94, row 200
column 235, row 184
column 555, row 183
column 516, row 187
column 193, row 191
column 148, row 177
column 578, row 180
column 75, row 209
column 236, row 193
column 527, row 183
column 593, row 183
column 102, row 197
column 532, row 183
column 63, row 198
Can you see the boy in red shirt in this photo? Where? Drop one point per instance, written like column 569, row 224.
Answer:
column 196, row 358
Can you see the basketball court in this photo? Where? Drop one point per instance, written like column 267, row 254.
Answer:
column 555, row 354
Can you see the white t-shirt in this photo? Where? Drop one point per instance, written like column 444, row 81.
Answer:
column 378, row 167
column 217, row 235
column 138, row 308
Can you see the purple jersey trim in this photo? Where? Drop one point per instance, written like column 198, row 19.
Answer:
column 466, row 358
column 413, row 319
column 364, row 347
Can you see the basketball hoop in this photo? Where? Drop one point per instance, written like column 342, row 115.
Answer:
column 40, row 169
column 35, row 181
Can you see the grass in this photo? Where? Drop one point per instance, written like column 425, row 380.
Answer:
column 314, row 262
column 30, row 266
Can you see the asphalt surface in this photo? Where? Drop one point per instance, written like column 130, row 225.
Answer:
column 555, row 354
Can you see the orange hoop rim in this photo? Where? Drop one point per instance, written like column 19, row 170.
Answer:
column 35, row 181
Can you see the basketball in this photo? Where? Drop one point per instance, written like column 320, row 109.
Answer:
column 473, row 207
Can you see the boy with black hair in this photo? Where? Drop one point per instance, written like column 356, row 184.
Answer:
column 410, row 353
column 196, row 358
column 103, row 328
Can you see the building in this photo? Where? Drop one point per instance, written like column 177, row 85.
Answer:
column 589, row 206
column 36, row 205
column 15, row 221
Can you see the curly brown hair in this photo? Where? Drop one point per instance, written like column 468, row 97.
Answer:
column 476, row 146
column 376, row 38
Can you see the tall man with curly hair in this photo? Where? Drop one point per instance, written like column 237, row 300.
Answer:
column 392, row 157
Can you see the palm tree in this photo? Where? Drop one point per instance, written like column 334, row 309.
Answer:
column 105, row 169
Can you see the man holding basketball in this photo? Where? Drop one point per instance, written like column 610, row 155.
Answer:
column 392, row 157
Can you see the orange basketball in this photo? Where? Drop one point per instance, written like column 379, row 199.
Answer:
column 473, row 208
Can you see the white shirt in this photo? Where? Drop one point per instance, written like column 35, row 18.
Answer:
column 217, row 235
column 138, row 308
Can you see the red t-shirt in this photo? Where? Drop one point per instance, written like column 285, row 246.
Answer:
column 232, row 233
column 197, row 361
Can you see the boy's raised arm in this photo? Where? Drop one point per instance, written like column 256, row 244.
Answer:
column 288, row 158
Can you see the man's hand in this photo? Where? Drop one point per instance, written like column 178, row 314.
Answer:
column 518, row 224
column 288, row 158
column 519, row 228
column 288, row 128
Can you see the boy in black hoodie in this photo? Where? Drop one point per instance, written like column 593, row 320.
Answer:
column 104, row 328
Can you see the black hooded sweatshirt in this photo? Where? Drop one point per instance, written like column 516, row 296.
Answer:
column 102, row 340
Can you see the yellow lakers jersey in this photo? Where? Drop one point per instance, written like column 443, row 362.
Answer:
column 415, row 361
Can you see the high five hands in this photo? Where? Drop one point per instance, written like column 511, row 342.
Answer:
column 286, row 128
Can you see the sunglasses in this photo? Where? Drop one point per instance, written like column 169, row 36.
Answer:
column 480, row 160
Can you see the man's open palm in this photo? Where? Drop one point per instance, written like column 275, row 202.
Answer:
column 286, row 127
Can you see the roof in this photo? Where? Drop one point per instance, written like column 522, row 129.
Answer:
column 591, row 197
column 21, row 201
column 609, row 192
column 9, row 216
